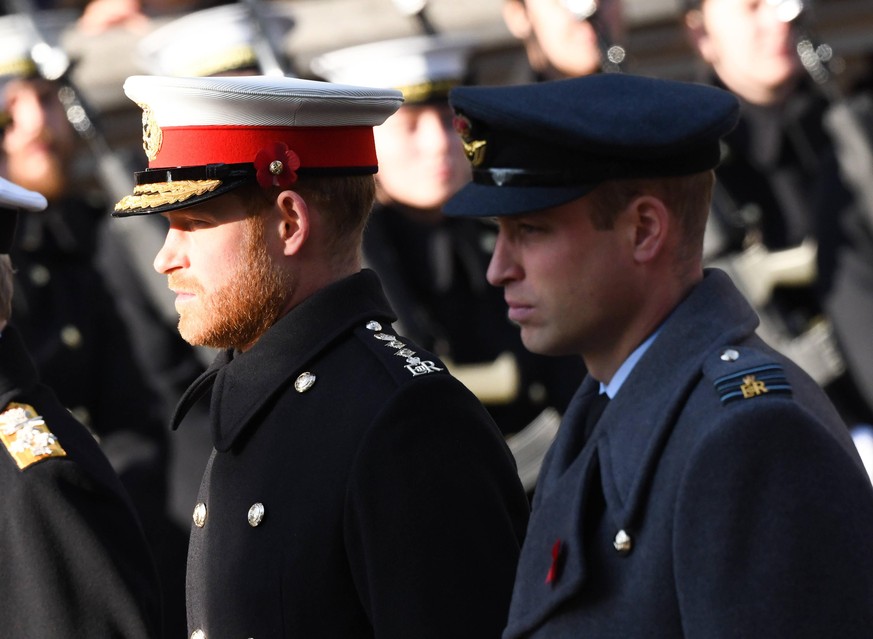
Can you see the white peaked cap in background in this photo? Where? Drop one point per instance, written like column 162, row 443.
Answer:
column 211, row 41
column 17, row 197
column 422, row 67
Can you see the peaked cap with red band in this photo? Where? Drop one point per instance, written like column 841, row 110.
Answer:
column 206, row 136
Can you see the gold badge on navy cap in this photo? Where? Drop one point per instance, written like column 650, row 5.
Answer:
column 474, row 149
column 549, row 143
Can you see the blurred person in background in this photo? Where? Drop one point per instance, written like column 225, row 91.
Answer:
column 433, row 267
column 786, row 224
column 567, row 38
column 75, row 560
column 63, row 305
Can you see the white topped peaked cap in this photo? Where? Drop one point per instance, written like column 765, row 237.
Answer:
column 206, row 136
column 211, row 41
column 14, row 198
column 19, row 40
column 18, row 198
column 422, row 67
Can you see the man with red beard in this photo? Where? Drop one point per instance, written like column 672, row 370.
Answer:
column 356, row 488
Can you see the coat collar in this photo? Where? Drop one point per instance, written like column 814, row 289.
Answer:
column 18, row 373
column 624, row 451
column 243, row 382
column 659, row 386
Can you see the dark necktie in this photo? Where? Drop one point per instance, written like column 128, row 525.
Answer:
column 595, row 410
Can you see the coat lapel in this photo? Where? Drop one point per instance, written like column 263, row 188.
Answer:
column 633, row 432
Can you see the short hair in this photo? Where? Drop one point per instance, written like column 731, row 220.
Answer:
column 344, row 202
column 687, row 197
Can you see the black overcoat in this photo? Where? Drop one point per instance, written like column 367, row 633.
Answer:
column 356, row 489
column 73, row 558
column 718, row 496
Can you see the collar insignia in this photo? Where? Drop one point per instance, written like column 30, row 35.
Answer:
column 26, row 436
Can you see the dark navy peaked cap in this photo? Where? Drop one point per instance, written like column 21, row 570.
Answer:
column 535, row 146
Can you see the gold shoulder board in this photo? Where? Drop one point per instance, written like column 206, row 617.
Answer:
column 26, row 436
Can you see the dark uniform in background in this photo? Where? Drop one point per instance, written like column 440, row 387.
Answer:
column 75, row 559
column 714, row 496
column 779, row 186
column 69, row 316
column 81, row 345
column 792, row 215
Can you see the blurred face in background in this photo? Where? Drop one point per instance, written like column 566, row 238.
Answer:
column 560, row 44
column 421, row 158
column 38, row 143
column 748, row 46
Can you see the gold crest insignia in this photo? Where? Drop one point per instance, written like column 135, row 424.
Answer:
column 26, row 436
column 152, row 136
column 474, row 149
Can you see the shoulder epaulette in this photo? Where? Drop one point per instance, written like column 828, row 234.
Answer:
column 26, row 436
column 408, row 359
column 742, row 374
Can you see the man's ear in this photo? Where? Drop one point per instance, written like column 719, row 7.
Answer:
column 295, row 221
column 515, row 17
column 651, row 223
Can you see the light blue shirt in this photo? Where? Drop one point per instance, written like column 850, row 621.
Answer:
column 627, row 367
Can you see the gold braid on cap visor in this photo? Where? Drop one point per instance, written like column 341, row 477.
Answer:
column 147, row 196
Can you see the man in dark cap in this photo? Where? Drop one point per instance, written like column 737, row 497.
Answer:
column 356, row 489
column 714, row 495
column 75, row 560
